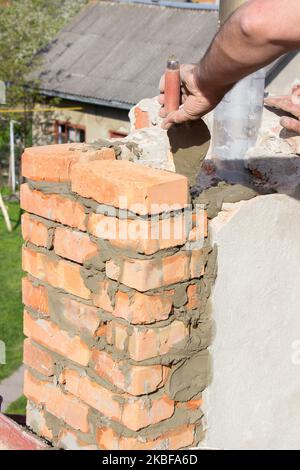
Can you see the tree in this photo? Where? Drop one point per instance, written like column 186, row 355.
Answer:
column 26, row 27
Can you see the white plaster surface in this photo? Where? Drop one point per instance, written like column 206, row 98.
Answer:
column 153, row 142
column 253, row 401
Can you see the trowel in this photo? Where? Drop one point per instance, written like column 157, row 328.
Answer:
column 189, row 141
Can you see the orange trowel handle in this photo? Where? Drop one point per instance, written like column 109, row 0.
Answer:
column 172, row 85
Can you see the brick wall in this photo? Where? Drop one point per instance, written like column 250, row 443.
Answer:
column 116, row 318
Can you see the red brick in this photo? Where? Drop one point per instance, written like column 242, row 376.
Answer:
column 75, row 246
column 35, row 297
column 176, row 268
column 200, row 222
column 52, row 337
column 102, row 298
column 139, row 235
column 54, row 162
column 137, row 273
column 193, row 294
column 110, row 181
column 36, row 420
column 178, row 438
column 142, row 118
column 59, row 273
column 197, row 267
column 107, row 368
column 117, row 334
column 101, row 331
column 136, row 380
column 81, row 316
column 135, row 413
column 145, row 343
column 34, row 231
column 92, row 393
column 194, row 404
column 139, row 308
column 53, row 206
column 114, row 270
column 63, row 406
column 38, row 359
column 138, row 414
column 146, row 274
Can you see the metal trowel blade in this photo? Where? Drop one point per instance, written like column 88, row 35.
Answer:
column 189, row 145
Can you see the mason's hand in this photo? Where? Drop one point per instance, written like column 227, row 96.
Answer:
column 289, row 104
column 195, row 102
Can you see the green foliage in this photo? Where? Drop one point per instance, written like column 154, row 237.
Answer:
column 26, row 27
column 17, row 407
column 5, row 191
column 10, row 291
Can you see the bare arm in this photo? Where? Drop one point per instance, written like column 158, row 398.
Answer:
column 256, row 34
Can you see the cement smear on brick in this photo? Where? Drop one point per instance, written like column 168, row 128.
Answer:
column 190, row 378
column 214, row 197
column 50, row 187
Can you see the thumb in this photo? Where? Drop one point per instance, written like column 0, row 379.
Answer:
column 175, row 117
column 290, row 124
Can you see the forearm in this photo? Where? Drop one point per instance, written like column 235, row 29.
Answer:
column 254, row 36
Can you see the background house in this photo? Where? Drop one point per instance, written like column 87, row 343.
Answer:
column 112, row 54
column 109, row 57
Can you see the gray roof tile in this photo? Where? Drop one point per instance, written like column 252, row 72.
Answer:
column 116, row 52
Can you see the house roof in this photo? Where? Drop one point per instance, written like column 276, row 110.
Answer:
column 114, row 53
column 16, row 437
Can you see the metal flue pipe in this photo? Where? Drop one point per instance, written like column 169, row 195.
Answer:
column 238, row 117
column 227, row 7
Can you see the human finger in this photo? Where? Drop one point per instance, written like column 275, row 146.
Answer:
column 290, row 124
column 161, row 99
column 175, row 117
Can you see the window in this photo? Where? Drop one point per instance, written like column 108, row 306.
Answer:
column 117, row 135
column 68, row 133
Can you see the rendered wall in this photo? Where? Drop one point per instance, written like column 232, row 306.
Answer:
column 253, row 401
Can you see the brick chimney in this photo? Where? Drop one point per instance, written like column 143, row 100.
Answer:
column 115, row 317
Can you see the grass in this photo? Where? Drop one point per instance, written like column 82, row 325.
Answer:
column 10, row 291
column 17, row 407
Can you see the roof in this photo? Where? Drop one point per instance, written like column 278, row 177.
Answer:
column 114, row 53
column 16, row 437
